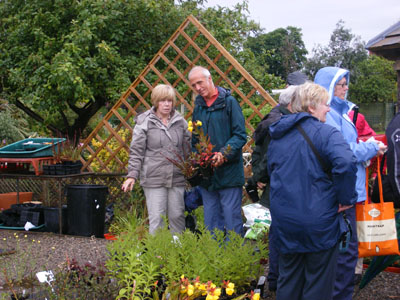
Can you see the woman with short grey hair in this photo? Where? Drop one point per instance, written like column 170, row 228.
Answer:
column 159, row 133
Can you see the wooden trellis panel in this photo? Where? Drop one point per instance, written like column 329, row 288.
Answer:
column 107, row 147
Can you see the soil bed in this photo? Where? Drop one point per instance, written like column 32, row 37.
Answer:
column 48, row 251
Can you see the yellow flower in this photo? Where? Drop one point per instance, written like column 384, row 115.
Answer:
column 183, row 289
column 212, row 297
column 54, row 248
column 230, row 289
column 198, row 123
column 38, row 242
column 183, row 277
column 217, row 292
column 256, row 296
column 190, row 128
column 25, row 236
column 190, row 290
column 4, row 239
column 190, row 124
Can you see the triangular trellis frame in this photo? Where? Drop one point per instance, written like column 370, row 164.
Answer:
column 106, row 149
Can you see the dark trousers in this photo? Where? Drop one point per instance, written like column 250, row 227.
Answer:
column 346, row 264
column 273, row 260
column 307, row 276
column 223, row 209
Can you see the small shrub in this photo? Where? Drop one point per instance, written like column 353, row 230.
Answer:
column 139, row 263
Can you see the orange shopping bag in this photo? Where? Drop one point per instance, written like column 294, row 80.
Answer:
column 376, row 226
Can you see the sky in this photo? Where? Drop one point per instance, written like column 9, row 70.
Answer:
column 318, row 18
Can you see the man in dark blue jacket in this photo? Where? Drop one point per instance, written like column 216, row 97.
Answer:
column 222, row 120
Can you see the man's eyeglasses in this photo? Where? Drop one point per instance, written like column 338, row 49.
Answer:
column 342, row 84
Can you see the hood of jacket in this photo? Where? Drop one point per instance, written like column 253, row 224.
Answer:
column 328, row 78
column 286, row 123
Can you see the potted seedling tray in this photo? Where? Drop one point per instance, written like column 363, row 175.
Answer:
column 31, row 148
column 64, row 168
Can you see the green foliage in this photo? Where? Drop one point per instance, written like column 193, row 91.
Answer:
column 140, row 262
column 280, row 51
column 12, row 127
column 66, row 60
column 345, row 50
column 376, row 81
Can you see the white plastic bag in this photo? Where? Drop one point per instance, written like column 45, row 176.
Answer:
column 258, row 220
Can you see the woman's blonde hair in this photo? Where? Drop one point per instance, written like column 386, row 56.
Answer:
column 161, row 92
column 308, row 95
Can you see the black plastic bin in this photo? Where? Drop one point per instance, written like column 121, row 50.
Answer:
column 86, row 209
column 52, row 219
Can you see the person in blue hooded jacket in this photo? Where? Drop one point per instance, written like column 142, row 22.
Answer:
column 222, row 120
column 306, row 197
column 335, row 81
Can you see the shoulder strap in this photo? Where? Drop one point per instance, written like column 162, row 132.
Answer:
column 382, row 162
column 325, row 168
column 355, row 116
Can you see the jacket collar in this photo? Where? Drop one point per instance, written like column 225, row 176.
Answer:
column 218, row 103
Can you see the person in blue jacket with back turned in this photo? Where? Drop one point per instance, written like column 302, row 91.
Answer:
column 222, row 120
column 306, row 195
column 335, row 81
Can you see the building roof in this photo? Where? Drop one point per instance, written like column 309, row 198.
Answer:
column 388, row 38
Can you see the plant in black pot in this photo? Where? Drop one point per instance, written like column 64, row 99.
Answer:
column 66, row 159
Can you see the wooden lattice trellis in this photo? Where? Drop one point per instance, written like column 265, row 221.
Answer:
column 107, row 147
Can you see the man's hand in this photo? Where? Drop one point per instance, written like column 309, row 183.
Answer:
column 218, row 159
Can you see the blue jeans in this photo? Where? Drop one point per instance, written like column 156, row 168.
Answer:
column 223, row 209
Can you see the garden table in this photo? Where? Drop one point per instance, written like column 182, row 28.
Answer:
column 36, row 162
column 58, row 178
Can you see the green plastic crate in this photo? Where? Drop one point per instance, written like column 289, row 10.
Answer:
column 30, row 148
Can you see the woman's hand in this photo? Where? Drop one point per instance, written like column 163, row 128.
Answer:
column 127, row 186
column 344, row 207
column 382, row 149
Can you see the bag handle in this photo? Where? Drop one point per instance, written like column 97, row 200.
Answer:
column 367, row 186
column 379, row 181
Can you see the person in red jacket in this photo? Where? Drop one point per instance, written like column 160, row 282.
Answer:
column 362, row 126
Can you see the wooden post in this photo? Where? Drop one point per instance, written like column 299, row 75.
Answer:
column 396, row 67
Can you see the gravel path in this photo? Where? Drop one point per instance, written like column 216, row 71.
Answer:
column 39, row 251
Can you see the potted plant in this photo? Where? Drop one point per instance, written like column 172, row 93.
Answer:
column 198, row 165
column 66, row 159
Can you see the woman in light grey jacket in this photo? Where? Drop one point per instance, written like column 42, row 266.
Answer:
column 159, row 133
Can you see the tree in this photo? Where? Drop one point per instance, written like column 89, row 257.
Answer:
column 64, row 60
column 280, row 51
column 345, row 50
column 375, row 81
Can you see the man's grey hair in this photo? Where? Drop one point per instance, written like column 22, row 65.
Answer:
column 205, row 72
column 287, row 95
